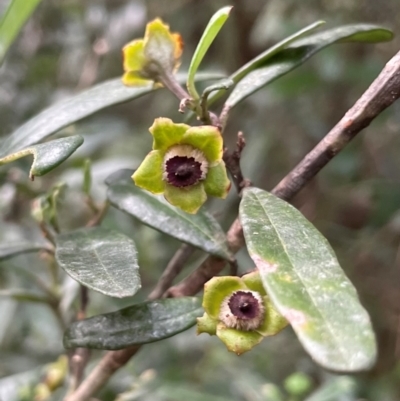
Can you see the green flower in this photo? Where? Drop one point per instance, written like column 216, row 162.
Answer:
column 239, row 312
column 145, row 60
column 185, row 164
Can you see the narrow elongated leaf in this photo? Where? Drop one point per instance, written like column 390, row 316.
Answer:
column 296, row 53
column 216, row 23
column 48, row 155
column 302, row 276
column 76, row 108
column 12, row 21
column 262, row 58
column 200, row 230
column 101, row 259
column 9, row 250
column 138, row 324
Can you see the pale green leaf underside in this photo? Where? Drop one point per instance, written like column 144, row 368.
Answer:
column 216, row 23
column 75, row 108
column 12, row 21
column 46, row 156
column 302, row 276
column 101, row 259
column 200, row 230
column 138, row 324
column 297, row 52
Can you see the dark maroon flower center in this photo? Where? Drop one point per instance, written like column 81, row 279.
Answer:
column 244, row 305
column 183, row 171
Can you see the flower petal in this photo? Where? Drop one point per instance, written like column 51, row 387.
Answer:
column 162, row 47
column 189, row 199
column 206, row 324
column 206, row 138
column 134, row 58
column 134, row 79
column 216, row 290
column 166, row 133
column 238, row 341
column 274, row 322
column 149, row 174
column 217, row 182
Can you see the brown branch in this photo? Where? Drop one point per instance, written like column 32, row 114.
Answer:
column 384, row 91
column 173, row 268
column 232, row 162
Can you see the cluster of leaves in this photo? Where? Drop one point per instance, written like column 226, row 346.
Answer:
column 297, row 267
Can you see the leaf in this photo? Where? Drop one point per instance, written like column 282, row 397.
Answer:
column 12, row 21
column 216, row 22
column 262, row 58
column 101, row 259
column 200, row 230
column 9, row 250
column 76, row 108
column 137, row 324
column 298, row 52
column 48, row 155
column 301, row 274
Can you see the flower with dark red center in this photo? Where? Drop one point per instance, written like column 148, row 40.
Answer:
column 185, row 164
column 239, row 312
column 243, row 310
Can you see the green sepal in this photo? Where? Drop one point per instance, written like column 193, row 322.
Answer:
column 206, row 138
column 217, row 182
column 149, row 174
column 216, row 290
column 238, row 341
column 206, row 324
column 166, row 133
column 189, row 199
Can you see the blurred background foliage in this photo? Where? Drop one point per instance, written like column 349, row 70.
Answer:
column 69, row 45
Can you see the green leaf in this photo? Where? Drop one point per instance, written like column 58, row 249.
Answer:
column 298, row 52
column 262, row 58
column 76, row 108
column 301, row 274
column 101, row 259
column 200, row 230
column 137, row 324
column 216, row 22
column 9, row 250
column 46, row 156
column 12, row 21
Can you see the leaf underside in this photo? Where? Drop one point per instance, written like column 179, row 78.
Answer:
column 101, row 259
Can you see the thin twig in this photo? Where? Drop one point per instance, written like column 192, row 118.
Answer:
column 173, row 268
column 384, row 91
column 232, row 161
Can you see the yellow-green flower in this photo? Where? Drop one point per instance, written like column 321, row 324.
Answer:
column 185, row 164
column 239, row 312
column 158, row 54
